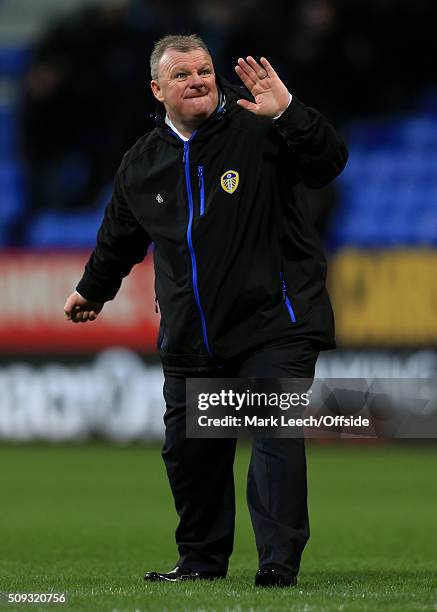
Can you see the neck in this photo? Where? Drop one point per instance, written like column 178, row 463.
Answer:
column 186, row 129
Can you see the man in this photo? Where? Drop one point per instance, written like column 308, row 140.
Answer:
column 240, row 281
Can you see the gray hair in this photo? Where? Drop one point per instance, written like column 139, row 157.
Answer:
column 180, row 42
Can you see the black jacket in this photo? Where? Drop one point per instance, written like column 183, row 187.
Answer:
column 238, row 264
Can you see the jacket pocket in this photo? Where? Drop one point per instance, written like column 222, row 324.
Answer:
column 201, row 190
column 161, row 343
column 286, row 299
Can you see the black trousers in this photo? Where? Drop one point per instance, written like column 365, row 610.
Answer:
column 200, row 472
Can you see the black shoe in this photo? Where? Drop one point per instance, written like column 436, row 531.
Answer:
column 272, row 578
column 178, row 574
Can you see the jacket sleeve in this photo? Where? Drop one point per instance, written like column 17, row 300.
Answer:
column 121, row 243
column 317, row 151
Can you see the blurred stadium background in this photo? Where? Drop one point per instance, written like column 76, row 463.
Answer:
column 73, row 98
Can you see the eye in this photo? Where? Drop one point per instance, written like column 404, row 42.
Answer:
column 205, row 72
column 180, row 75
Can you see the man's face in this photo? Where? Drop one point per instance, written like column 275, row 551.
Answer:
column 186, row 86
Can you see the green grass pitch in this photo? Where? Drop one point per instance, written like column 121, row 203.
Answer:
column 90, row 519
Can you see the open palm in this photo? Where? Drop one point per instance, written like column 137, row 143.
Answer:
column 270, row 93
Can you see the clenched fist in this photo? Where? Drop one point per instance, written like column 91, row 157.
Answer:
column 80, row 310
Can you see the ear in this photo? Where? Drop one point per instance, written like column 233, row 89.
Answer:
column 156, row 90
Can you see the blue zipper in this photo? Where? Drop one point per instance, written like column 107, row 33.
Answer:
column 186, row 160
column 287, row 300
column 201, row 189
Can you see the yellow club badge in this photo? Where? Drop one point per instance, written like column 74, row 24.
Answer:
column 229, row 181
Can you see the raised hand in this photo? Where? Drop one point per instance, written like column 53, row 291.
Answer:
column 80, row 310
column 270, row 93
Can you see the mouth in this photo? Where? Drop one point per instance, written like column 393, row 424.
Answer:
column 196, row 96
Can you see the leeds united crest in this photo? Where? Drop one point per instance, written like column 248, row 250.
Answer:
column 229, row 181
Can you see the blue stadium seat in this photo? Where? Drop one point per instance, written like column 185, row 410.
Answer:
column 14, row 59
column 64, row 230
column 420, row 132
column 425, row 227
column 12, row 198
column 8, row 131
column 12, row 190
column 389, row 188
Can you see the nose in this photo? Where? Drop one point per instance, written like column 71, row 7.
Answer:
column 196, row 80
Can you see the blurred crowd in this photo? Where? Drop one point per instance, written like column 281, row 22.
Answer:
column 87, row 99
